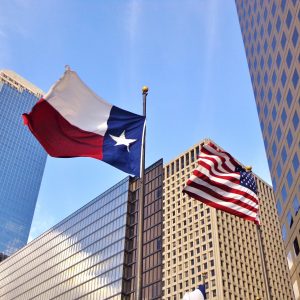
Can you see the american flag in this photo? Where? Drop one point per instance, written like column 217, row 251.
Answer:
column 221, row 182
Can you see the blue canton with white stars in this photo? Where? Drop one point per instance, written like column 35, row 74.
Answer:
column 247, row 180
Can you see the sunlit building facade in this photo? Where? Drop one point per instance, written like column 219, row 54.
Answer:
column 92, row 253
column 202, row 244
column 152, row 238
column 22, row 162
column 271, row 34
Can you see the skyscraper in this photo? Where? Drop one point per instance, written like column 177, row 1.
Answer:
column 22, row 162
column 271, row 34
column 205, row 244
column 92, row 253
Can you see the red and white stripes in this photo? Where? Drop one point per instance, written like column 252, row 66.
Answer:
column 217, row 182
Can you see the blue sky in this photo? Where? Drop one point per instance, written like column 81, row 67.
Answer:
column 190, row 53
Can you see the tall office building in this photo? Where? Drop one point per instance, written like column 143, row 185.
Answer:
column 22, row 162
column 92, row 253
column 271, row 34
column 202, row 243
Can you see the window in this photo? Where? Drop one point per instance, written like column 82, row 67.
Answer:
column 283, row 232
column 279, row 207
column 255, row 64
column 278, row 133
column 290, row 260
column 273, row 9
column 274, row 113
column 295, row 37
column 290, row 138
column 274, row 148
column 258, row 78
column 283, row 116
column 295, row 205
column 295, row 120
column 269, row 28
column 296, row 246
column 266, row 78
column 289, row 98
column 295, row 78
column 290, row 219
column 273, row 180
column 258, row 48
column 288, row 19
column 265, row 12
column 265, row 45
column 295, row 162
column 283, row 78
column 278, row 60
column 289, row 178
column 283, row 193
column 270, row 94
column 274, row 78
column 283, row 40
column 278, row 96
column 262, row 62
column 289, row 58
column 266, row 110
column 278, row 170
column 269, row 61
column 273, row 43
column 270, row 129
column 283, row 154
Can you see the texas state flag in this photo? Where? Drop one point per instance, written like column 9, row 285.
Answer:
column 72, row 121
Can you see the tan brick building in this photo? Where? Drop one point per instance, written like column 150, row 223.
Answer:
column 199, row 240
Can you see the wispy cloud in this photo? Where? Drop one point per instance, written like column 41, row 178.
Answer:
column 134, row 9
column 41, row 222
column 211, row 42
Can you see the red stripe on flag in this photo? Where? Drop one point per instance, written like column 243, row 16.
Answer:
column 216, row 184
column 221, row 207
column 230, row 158
column 220, row 197
column 222, row 163
column 225, row 176
column 60, row 138
column 217, row 164
column 222, row 186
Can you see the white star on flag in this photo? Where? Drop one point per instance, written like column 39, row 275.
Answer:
column 121, row 140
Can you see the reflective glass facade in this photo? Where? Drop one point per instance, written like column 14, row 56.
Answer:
column 92, row 253
column 22, row 162
column 81, row 257
column 271, row 34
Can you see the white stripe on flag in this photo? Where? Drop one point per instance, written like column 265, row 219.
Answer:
column 78, row 104
column 224, row 193
column 220, row 202
column 217, row 183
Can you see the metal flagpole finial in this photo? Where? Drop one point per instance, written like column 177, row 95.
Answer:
column 67, row 68
column 248, row 168
column 145, row 89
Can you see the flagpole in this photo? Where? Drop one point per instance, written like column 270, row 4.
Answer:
column 263, row 262
column 139, row 259
column 262, row 254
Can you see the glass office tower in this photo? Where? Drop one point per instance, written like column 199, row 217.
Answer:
column 22, row 162
column 271, row 34
column 92, row 253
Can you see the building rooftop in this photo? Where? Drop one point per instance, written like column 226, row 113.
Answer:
column 19, row 82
